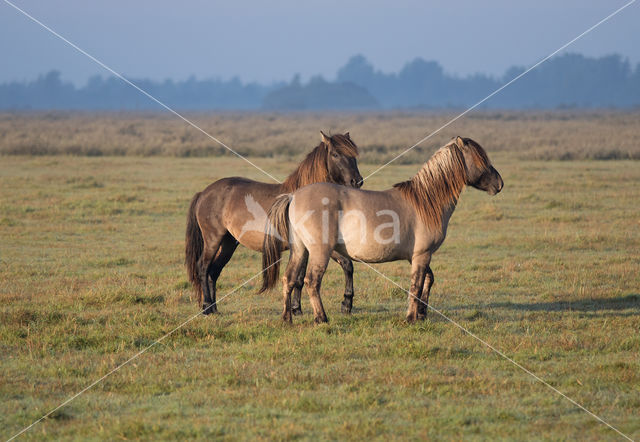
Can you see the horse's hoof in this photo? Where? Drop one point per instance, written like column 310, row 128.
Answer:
column 286, row 318
column 296, row 311
column 347, row 304
column 320, row 320
column 209, row 309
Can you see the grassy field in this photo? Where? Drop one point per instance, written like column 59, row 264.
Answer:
column 548, row 271
column 560, row 135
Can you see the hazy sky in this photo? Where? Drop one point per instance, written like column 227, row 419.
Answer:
column 268, row 41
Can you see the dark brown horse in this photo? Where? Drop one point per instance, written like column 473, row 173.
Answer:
column 233, row 210
column 406, row 222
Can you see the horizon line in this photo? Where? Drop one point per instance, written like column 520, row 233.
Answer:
column 309, row 78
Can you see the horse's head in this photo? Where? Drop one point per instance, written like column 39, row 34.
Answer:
column 342, row 166
column 480, row 173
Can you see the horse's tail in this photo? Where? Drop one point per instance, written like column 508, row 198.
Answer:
column 194, row 245
column 276, row 235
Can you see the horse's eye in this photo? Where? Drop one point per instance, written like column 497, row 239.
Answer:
column 334, row 155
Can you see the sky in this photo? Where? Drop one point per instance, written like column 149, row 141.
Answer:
column 272, row 41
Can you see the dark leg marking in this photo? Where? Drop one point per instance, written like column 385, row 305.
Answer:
column 227, row 247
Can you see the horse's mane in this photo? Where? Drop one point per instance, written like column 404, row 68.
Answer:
column 313, row 169
column 437, row 185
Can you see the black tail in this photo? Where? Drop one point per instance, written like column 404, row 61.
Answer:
column 193, row 248
column 275, row 239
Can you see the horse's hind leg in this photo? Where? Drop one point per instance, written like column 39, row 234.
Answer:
column 423, row 306
column 315, row 271
column 296, row 294
column 212, row 243
column 290, row 281
column 347, row 268
column 419, row 266
column 228, row 245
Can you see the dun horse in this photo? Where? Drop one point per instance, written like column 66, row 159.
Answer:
column 232, row 211
column 408, row 221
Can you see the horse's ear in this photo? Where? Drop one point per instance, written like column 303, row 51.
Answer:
column 325, row 139
column 460, row 142
column 347, row 135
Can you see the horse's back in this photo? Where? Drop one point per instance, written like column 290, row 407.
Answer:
column 329, row 195
column 237, row 205
column 235, row 182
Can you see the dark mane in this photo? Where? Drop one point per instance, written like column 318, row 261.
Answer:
column 437, row 185
column 313, row 169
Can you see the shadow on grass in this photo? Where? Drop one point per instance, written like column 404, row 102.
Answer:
column 627, row 302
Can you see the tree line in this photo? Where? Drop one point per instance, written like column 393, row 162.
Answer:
column 569, row 80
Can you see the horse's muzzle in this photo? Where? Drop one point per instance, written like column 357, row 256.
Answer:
column 498, row 186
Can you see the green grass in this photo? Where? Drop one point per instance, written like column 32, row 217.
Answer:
column 91, row 253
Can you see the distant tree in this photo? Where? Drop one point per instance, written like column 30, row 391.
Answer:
column 567, row 80
column 358, row 70
column 50, row 92
column 571, row 80
column 319, row 94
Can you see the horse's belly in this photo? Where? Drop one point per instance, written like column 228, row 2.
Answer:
column 250, row 236
column 370, row 251
column 372, row 239
column 250, row 239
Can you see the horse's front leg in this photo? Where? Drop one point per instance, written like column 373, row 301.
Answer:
column 419, row 266
column 423, row 306
column 296, row 294
column 347, row 268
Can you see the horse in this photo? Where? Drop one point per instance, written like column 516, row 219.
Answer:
column 232, row 211
column 407, row 222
